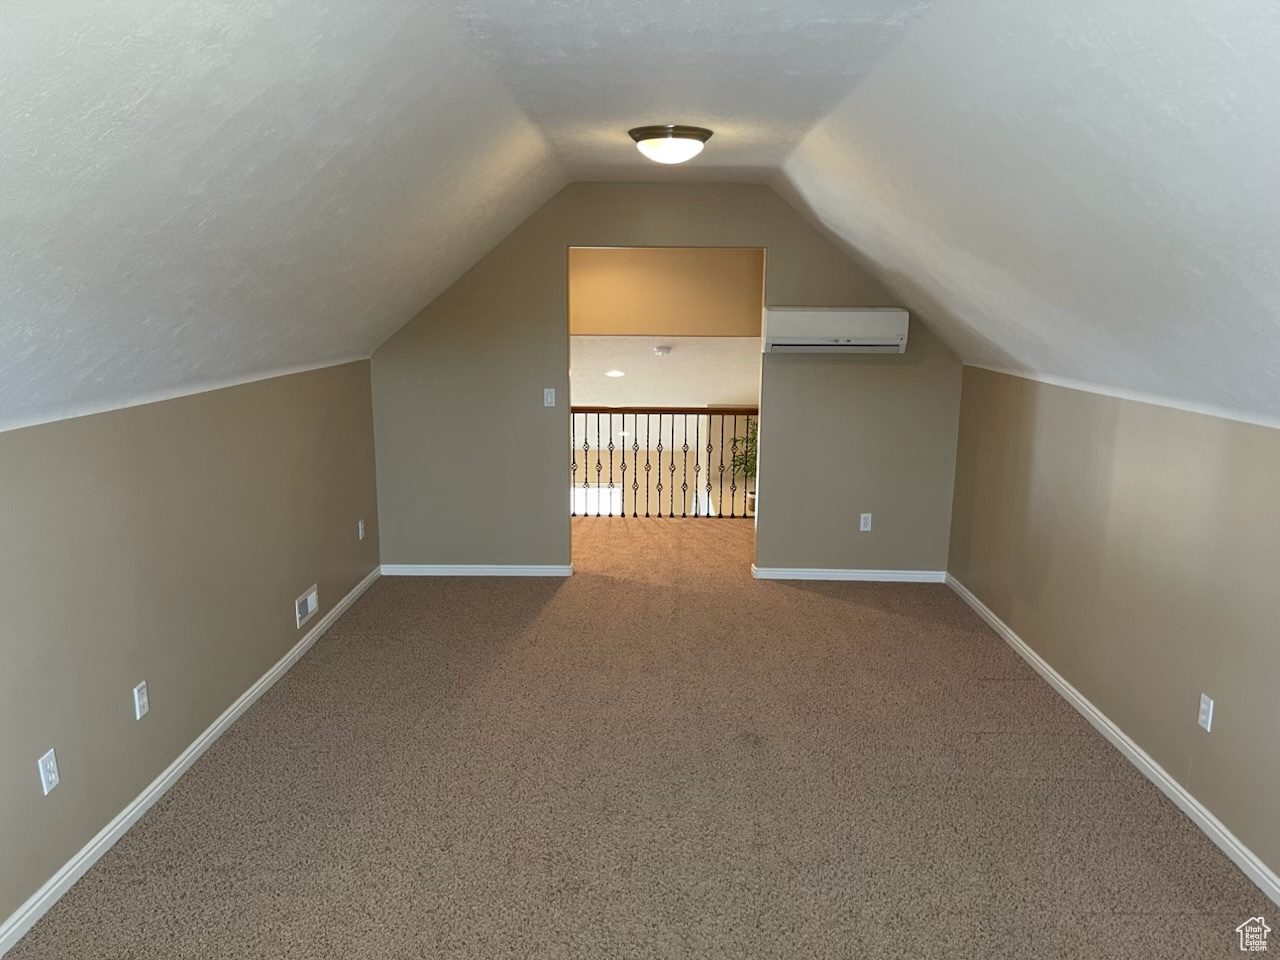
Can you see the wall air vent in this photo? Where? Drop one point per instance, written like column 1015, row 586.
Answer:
column 305, row 606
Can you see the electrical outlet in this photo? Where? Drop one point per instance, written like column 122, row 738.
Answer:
column 360, row 528
column 48, row 772
column 549, row 396
column 141, row 703
column 305, row 606
column 865, row 524
column 1205, row 719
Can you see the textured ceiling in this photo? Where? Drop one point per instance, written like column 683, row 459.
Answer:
column 193, row 193
column 759, row 73
column 1086, row 191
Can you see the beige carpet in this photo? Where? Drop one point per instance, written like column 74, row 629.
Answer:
column 658, row 758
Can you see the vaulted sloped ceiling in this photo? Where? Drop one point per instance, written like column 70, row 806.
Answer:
column 1083, row 190
column 195, row 192
column 201, row 191
column 759, row 73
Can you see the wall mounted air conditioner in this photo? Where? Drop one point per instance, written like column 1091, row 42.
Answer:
column 834, row 330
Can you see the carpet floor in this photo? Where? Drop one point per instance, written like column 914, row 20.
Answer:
column 657, row 758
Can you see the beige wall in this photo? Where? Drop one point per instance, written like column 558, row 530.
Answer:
column 164, row 543
column 481, row 353
column 1137, row 549
column 665, row 292
column 846, row 435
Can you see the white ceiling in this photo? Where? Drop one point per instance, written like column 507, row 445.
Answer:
column 698, row 372
column 193, row 192
column 1087, row 191
column 203, row 191
column 759, row 73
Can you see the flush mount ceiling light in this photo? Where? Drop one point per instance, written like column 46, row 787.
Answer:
column 670, row 142
column 614, row 373
column 661, row 350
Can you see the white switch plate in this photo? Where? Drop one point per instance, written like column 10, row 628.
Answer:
column 360, row 527
column 141, row 703
column 549, row 396
column 305, row 607
column 1205, row 719
column 865, row 524
column 48, row 772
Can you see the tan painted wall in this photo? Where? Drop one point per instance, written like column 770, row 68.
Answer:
column 479, row 356
column 665, row 292
column 164, row 543
column 846, row 435
column 1137, row 549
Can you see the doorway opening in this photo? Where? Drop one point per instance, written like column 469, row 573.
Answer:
column 664, row 380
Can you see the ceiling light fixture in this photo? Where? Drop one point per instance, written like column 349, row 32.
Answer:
column 670, row 142
column 614, row 373
column 661, row 350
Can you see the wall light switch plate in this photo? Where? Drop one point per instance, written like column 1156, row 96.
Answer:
column 360, row 527
column 549, row 396
column 141, row 703
column 865, row 524
column 1205, row 719
column 48, row 772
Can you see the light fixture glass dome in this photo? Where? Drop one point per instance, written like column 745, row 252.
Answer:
column 671, row 142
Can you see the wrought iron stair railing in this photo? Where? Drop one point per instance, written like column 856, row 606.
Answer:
column 662, row 461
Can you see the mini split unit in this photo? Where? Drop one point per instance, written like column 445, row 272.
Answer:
column 834, row 330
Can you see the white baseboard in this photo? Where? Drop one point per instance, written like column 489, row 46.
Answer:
column 475, row 570
column 818, row 573
column 1214, row 829
column 12, row 929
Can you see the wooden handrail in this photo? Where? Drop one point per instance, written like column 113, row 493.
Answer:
column 701, row 411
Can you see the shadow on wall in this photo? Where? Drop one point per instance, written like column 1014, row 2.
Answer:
column 922, row 304
column 1133, row 547
column 1021, row 504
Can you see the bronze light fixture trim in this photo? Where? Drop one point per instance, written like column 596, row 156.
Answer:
column 670, row 142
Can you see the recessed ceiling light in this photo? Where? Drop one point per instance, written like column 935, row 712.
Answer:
column 614, row 373
column 670, row 142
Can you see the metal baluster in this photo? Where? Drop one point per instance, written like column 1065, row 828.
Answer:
column 706, row 504
column 611, row 488
column 733, row 476
column 635, row 463
column 573, row 470
column 684, row 473
column 659, row 465
column 586, row 471
column 599, row 468
column 697, row 463
column 671, row 469
column 624, row 467
column 646, row 465
column 720, row 496
column 746, row 481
